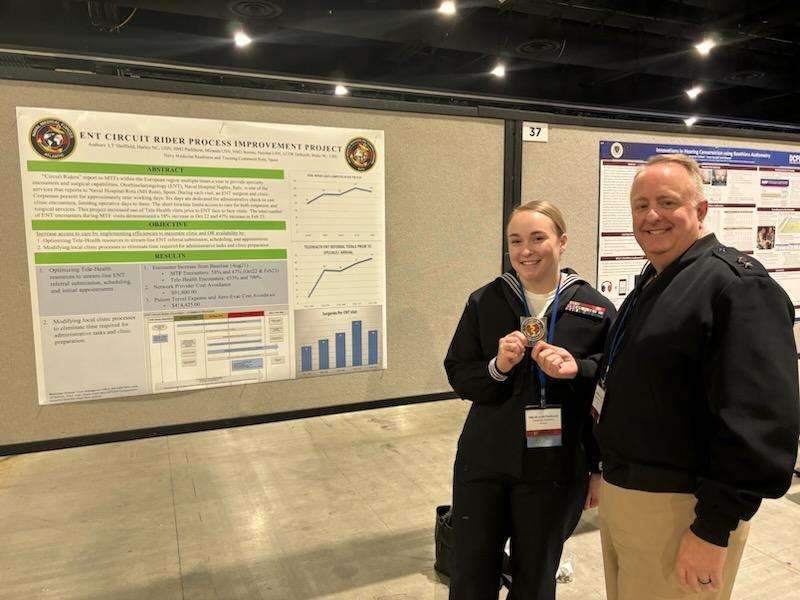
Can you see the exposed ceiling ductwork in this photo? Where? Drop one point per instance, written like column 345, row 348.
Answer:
column 637, row 55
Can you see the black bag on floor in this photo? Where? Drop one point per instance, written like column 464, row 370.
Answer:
column 444, row 536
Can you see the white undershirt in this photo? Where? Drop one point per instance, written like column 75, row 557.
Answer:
column 538, row 303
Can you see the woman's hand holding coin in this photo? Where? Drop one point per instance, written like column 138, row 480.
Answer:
column 510, row 351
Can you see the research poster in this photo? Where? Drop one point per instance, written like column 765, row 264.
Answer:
column 170, row 253
column 753, row 204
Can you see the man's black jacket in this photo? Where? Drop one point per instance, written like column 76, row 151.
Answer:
column 702, row 396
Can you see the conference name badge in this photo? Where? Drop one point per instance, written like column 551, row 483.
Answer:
column 598, row 401
column 542, row 427
column 533, row 328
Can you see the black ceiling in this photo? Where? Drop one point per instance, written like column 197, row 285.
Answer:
column 636, row 55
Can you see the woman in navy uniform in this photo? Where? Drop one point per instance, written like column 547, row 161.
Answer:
column 526, row 452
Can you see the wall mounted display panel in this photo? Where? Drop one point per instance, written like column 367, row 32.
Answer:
column 441, row 234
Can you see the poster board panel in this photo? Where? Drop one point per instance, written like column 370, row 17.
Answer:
column 442, row 223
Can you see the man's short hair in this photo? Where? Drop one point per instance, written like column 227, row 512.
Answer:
column 688, row 163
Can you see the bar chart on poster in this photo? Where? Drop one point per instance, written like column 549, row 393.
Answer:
column 338, row 340
column 174, row 254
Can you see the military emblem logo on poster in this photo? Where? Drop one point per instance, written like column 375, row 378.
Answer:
column 360, row 154
column 52, row 138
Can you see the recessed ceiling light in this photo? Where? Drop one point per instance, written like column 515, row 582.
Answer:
column 694, row 92
column 705, row 46
column 499, row 70
column 448, row 7
column 341, row 90
column 241, row 39
column 690, row 121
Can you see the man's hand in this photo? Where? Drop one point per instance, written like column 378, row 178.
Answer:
column 510, row 350
column 593, row 496
column 555, row 361
column 699, row 561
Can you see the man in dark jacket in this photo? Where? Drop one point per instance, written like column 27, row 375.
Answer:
column 697, row 402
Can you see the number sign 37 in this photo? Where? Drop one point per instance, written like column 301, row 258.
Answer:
column 534, row 132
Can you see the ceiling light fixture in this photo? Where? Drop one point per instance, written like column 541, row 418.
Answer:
column 694, row 92
column 448, row 7
column 690, row 121
column 341, row 90
column 241, row 39
column 705, row 46
column 499, row 70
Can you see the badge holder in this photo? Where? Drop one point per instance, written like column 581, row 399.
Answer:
column 599, row 399
column 542, row 426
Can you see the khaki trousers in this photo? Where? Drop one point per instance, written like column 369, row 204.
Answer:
column 641, row 532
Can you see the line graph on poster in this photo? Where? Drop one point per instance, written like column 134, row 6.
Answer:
column 337, row 274
column 337, row 209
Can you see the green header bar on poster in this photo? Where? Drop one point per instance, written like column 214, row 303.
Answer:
column 154, row 170
column 145, row 256
column 152, row 224
column 198, row 317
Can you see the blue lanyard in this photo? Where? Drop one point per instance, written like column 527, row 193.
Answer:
column 619, row 333
column 619, row 328
column 551, row 330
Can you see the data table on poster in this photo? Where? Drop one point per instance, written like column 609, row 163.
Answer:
column 202, row 350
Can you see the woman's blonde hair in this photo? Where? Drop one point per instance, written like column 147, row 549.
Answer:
column 548, row 209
